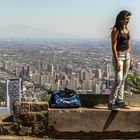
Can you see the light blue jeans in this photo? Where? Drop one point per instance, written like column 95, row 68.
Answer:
column 117, row 91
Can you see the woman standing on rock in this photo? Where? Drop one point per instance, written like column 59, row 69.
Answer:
column 122, row 60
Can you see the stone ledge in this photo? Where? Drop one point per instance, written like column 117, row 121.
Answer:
column 6, row 137
column 90, row 100
column 93, row 135
column 94, row 120
column 25, row 107
column 8, row 128
column 28, row 119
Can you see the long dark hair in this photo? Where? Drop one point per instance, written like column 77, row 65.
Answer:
column 119, row 25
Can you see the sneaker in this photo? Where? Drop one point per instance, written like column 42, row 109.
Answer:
column 122, row 105
column 113, row 106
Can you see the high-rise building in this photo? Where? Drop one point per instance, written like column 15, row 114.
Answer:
column 62, row 84
column 98, row 73
column 109, row 83
column 49, row 68
column 87, row 84
column 68, row 70
column 50, row 78
column 58, row 68
column 72, row 84
column 43, row 79
column 17, row 70
column 1, row 65
column 36, row 79
column 107, row 71
column 96, row 88
column 108, row 68
column 138, row 68
column 7, row 65
column 84, row 74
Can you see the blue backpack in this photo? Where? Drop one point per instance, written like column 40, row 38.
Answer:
column 64, row 98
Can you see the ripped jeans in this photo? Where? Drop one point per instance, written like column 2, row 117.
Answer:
column 117, row 91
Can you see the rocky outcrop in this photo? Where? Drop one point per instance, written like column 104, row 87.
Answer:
column 25, row 107
column 29, row 118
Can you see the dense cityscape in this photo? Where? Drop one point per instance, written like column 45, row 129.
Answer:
column 52, row 64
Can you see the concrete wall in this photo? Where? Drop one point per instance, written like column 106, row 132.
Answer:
column 86, row 122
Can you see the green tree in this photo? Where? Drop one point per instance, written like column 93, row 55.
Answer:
column 134, row 81
column 44, row 96
column 2, row 91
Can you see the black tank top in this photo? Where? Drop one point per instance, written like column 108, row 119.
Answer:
column 122, row 41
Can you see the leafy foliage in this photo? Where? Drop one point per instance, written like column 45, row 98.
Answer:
column 44, row 96
column 2, row 91
column 134, row 81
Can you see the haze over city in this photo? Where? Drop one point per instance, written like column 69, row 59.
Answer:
column 64, row 18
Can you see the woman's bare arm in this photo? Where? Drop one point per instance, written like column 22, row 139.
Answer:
column 114, row 35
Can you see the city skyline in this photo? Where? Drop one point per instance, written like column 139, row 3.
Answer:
column 85, row 66
column 64, row 19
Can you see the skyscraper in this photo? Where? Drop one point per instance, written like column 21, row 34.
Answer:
column 98, row 73
column 138, row 68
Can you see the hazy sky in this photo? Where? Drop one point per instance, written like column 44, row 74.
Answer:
column 64, row 18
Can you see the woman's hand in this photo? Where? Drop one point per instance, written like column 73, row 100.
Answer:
column 118, row 66
column 131, row 63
